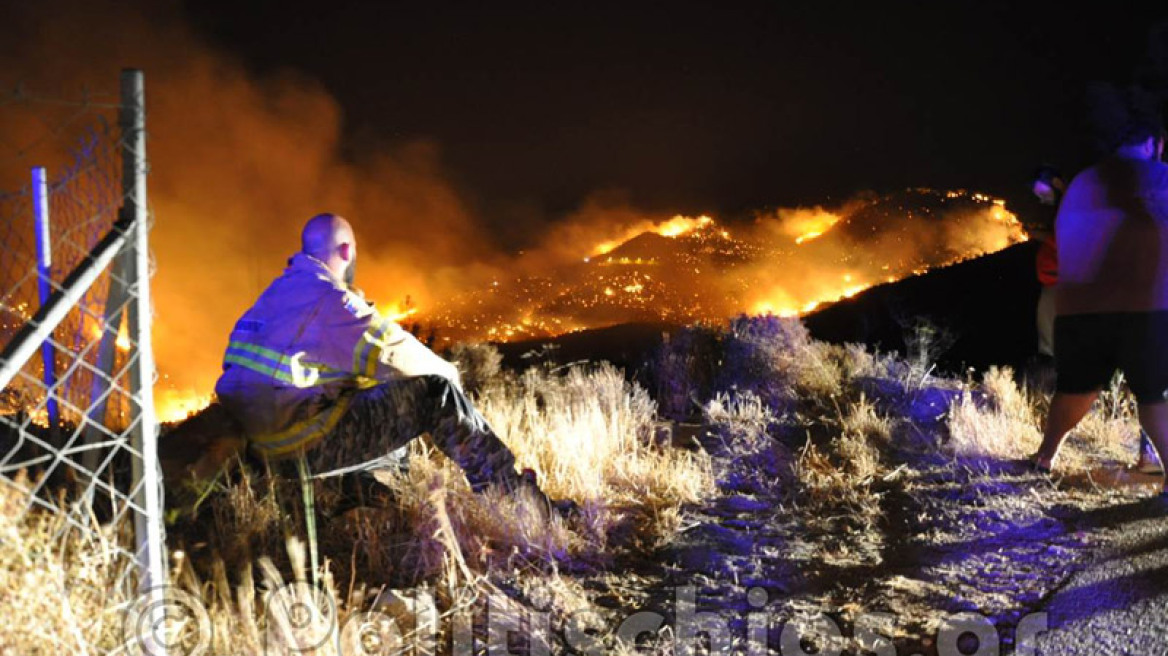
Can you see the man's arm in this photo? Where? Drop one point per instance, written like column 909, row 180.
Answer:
column 383, row 350
column 397, row 354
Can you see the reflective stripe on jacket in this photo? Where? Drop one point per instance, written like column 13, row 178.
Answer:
column 307, row 340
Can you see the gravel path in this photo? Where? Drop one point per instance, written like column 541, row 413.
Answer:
column 948, row 540
column 984, row 542
column 1118, row 603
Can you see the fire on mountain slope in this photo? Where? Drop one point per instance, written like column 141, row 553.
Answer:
column 686, row 269
column 675, row 227
column 787, row 262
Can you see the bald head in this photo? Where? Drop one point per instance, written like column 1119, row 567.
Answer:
column 329, row 238
column 323, row 233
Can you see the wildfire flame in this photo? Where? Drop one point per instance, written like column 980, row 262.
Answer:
column 397, row 313
column 818, row 225
column 993, row 229
column 172, row 405
column 122, row 342
column 770, row 267
column 680, row 225
column 785, row 306
column 197, row 303
column 677, row 226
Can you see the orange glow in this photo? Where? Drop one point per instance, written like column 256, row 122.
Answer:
column 234, row 179
column 172, row 405
column 1004, row 216
column 807, row 237
column 853, row 290
column 712, row 272
column 695, row 269
column 807, row 224
column 40, row 417
column 396, row 313
column 122, row 342
column 677, row 226
column 985, row 228
column 680, row 225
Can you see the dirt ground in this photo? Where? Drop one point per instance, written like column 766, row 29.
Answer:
column 991, row 539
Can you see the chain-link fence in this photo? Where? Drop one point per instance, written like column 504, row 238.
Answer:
column 77, row 426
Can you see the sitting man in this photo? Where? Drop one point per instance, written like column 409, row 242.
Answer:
column 313, row 370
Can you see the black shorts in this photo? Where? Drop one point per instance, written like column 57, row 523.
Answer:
column 1090, row 347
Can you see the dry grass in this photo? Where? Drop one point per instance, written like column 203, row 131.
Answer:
column 776, row 359
column 865, row 434
column 588, row 433
column 59, row 590
column 857, row 362
column 1001, row 420
column 807, row 413
column 1109, row 434
column 744, row 419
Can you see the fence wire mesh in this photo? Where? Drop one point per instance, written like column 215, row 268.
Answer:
column 71, row 419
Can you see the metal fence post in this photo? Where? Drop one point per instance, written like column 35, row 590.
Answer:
column 148, row 523
column 44, row 251
column 97, row 477
column 116, row 299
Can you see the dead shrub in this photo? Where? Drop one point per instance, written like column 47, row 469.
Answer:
column 479, row 365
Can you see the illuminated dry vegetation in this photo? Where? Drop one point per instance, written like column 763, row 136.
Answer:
column 836, row 479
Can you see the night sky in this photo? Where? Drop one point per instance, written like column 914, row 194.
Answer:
column 691, row 107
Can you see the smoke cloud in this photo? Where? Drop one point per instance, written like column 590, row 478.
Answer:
column 237, row 165
column 239, row 162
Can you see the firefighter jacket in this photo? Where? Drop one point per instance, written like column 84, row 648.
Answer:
column 294, row 355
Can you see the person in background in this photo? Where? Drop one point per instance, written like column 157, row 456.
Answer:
column 1112, row 291
column 1048, row 187
column 1149, row 462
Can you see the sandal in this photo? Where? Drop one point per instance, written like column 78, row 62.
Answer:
column 1033, row 465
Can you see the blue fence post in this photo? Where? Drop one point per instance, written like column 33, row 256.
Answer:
column 44, row 251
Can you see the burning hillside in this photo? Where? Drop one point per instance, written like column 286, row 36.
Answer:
column 231, row 183
column 689, row 269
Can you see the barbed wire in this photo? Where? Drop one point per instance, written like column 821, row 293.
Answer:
column 18, row 92
column 18, row 97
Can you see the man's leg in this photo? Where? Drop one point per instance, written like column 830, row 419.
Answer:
column 1086, row 348
column 1147, row 372
column 1154, row 420
column 1044, row 321
column 383, row 418
column 1066, row 411
column 462, row 434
